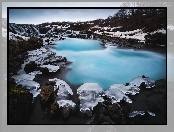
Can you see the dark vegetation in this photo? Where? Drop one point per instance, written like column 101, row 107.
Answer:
column 21, row 46
column 20, row 105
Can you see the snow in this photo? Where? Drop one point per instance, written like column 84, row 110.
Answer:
column 51, row 68
column 116, row 95
column 66, row 103
column 159, row 31
column 126, row 89
column 34, row 52
column 26, row 80
column 35, row 73
column 89, row 95
column 138, row 80
column 63, row 88
column 63, row 93
column 13, row 36
column 150, row 113
column 135, row 113
column 29, row 84
column 23, row 77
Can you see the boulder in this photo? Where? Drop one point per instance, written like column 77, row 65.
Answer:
column 51, row 112
column 31, row 66
column 65, row 111
column 44, row 70
column 46, row 95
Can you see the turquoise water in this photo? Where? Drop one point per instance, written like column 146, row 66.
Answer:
column 107, row 66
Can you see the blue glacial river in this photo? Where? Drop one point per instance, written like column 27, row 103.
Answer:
column 107, row 66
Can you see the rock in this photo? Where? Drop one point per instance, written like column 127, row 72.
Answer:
column 101, row 115
column 115, row 113
column 65, row 111
column 102, row 119
column 44, row 70
column 46, row 95
column 31, row 66
column 51, row 112
column 52, row 83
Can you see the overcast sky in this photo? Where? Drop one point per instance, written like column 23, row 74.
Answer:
column 37, row 16
column 40, row 16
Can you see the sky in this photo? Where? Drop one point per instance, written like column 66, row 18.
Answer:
column 41, row 16
column 37, row 16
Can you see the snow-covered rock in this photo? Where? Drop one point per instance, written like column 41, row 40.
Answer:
column 89, row 95
column 136, row 82
column 66, row 103
column 23, row 77
column 63, row 89
column 135, row 113
column 126, row 89
column 116, row 95
column 26, row 80
column 51, row 68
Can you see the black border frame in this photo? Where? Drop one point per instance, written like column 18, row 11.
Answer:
column 8, row 8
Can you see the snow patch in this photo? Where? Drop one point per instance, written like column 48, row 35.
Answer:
column 63, row 88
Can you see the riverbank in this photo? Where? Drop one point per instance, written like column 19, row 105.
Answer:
column 80, row 118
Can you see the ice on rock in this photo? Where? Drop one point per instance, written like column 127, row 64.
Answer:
column 126, row 89
column 138, row 80
column 116, row 95
column 63, row 93
column 150, row 113
column 29, row 84
column 23, row 77
column 89, row 95
column 35, row 92
column 135, row 113
column 35, row 52
column 34, row 73
column 66, row 103
column 63, row 88
column 26, row 80
column 51, row 68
